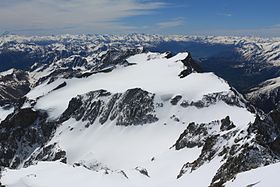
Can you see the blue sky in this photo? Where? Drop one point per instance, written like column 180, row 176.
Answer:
column 193, row 17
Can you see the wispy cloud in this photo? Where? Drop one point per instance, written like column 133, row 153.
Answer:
column 75, row 15
column 171, row 23
column 224, row 14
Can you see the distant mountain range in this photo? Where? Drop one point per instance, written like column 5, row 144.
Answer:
column 254, row 60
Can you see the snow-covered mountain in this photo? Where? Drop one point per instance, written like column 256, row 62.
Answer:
column 251, row 48
column 253, row 59
column 128, row 117
column 13, row 84
column 266, row 95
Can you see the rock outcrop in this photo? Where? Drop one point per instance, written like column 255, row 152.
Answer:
column 133, row 107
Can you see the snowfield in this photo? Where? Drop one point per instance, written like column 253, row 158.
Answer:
column 5, row 112
column 151, row 72
column 265, row 87
column 56, row 174
column 260, row 177
column 120, row 147
column 118, row 156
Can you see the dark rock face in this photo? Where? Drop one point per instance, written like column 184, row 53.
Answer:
column 143, row 171
column 226, row 124
column 78, row 66
column 190, row 66
column 60, row 86
column 191, row 137
column 116, row 57
column 85, row 107
column 22, row 118
column 1, row 184
column 250, row 157
column 47, row 153
column 175, row 99
column 210, row 99
column 265, row 101
column 268, row 131
column 134, row 107
column 95, row 166
column 72, row 109
column 76, row 61
column 200, row 135
column 13, row 86
column 57, row 73
column 109, row 106
column 207, row 154
column 20, row 134
column 249, row 150
column 257, row 152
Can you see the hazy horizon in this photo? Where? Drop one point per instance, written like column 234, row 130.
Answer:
column 200, row 17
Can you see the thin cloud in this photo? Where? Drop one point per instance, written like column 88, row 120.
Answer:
column 83, row 15
column 225, row 14
column 171, row 23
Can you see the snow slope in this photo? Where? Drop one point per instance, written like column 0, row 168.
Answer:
column 144, row 142
column 265, row 87
column 56, row 174
column 151, row 72
column 5, row 112
column 266, row 95
column 260, row 177
column 135, row 155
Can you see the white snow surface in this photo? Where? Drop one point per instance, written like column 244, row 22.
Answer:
column 260, row 177
column 121, row 149
column 152, row 72
column 8, row 72
column 56, row 174
column 111, row 144
column 5, row 112
column 265, row 87
column 161, row 174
